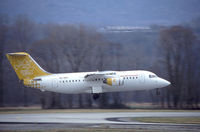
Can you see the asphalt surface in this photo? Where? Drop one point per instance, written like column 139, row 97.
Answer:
column 45, row 121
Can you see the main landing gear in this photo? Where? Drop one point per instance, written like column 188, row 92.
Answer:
column 96, row 96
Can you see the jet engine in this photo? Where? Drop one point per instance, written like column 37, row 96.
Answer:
column 114, row 81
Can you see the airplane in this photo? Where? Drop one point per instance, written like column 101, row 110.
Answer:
column 32, row 75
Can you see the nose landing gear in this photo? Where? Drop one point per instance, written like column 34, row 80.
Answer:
column 96, row 96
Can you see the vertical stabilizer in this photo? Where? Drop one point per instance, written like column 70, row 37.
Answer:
column 25, row 67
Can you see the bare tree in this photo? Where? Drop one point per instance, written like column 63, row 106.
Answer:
column 178, row 48
column 78, row 44
column 23, row 32
column 72, row 45
column 47, row 49
column 117, row 49
column 23, row 35
column 3, row 38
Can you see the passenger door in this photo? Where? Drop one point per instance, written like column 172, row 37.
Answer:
column 55, row 83
column 142, row 78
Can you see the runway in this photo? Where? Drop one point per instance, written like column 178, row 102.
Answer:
column 91, row 120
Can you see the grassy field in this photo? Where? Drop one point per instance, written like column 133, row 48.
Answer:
column 176, row 120
column 29, row 110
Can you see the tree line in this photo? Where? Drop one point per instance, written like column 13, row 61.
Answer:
column 180, row 52
column 61, row 48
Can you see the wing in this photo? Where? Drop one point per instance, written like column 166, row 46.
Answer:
column 100, row 75
column 94, row 76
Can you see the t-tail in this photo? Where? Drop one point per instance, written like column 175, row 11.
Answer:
column 26, row 68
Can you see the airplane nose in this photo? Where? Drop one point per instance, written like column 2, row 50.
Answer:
column 167, row 83
column 162, row 82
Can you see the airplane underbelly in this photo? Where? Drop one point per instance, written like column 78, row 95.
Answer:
column 73, row 88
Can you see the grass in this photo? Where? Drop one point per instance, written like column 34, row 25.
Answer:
column 16, row 110
column 176, row 120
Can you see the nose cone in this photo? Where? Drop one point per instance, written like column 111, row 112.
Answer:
column 162, row 82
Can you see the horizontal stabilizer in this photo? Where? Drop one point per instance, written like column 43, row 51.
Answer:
column 18, row 54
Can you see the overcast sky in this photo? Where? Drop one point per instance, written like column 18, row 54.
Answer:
column 105, row 12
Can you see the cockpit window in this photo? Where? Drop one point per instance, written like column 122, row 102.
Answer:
column 152, row 76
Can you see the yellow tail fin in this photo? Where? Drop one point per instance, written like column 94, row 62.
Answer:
column 25, row 67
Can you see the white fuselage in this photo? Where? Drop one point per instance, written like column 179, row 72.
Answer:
column 74, row 83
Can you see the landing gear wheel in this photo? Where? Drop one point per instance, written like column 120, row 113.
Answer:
column 95, row 96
